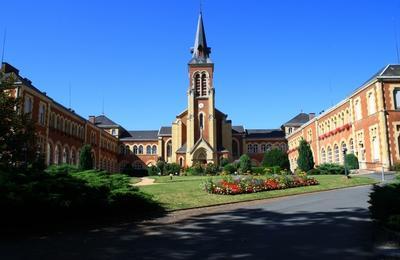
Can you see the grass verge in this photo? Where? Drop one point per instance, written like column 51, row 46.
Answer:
column 187, row 192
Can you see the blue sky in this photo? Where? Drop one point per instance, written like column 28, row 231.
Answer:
column 273, row 59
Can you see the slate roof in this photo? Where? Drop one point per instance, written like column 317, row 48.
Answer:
column 183, row 149
column 146, row 135
column 104, row 121
column 298, row 120
column 264, row 133
column 238, row 129
column 391, row 70
column 165, row 131
column 201, row 51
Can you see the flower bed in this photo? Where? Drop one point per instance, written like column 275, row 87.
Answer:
column 248, row 184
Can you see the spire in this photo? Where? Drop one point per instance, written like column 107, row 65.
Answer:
column 201, row 52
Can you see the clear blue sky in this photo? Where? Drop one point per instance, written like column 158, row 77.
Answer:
column 272, row 59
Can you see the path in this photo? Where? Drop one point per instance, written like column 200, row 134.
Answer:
column 145, row 181
column 326, row 225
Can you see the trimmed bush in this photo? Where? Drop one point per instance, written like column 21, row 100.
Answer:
column 211, row 169
column 230, row 168
column 258, row 170
column 196, row 170
column 276, row 157
column 245, row 164
column 172, row 168
column 153, row 170
column 351, row 161
column 224, row 162
column 331, row 168
column 63, row 168
column 314, row 171
column 305, row 161
column 385, row 204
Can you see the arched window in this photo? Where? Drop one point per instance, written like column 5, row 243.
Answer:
column 181, row 162
column 154, row 149
column 263, row 148
column 255, row 148
column 323, row 155
column 140, row 149
column 250, row 148
column 148, row 149
column 73, row 157
column 269, row 146
column 235, row 148
column 65, row 155
column 57, row 153
column 169, row 149
column 201, row 121
column 135, row 149
column 343, row 146
column 204, row 85
column 198, row 84
column 329, row 154
column 351, row 146
column 337, row 154
column 50, row 154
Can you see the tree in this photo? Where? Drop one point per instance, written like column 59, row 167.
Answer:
column 245, row 163
column 17, row 132
column 305, row 161
column 86, row 158
column 276, row 157
column 351, row 161
column 223, row 162
column 161, row 165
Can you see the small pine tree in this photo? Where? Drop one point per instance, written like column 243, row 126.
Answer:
column 351, row 161
column 86, row 158
column 245, row 163
column 305, row 161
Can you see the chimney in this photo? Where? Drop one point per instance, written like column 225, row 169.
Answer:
column 311, row 116
column 92, row 119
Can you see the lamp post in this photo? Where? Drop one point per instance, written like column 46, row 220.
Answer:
column 344, row 150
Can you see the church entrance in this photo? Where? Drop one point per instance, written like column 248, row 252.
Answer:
column 200, row 156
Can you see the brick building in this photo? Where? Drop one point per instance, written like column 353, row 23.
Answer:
column 366, row 123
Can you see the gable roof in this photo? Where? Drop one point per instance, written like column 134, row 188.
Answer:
column 165, row 131
column 298, row 120
column 141, row 135
column 104, row 121
column 264, row 133
column 238, row 129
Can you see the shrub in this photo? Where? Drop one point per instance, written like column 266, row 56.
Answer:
column 224, row 162
column 195, row 170
column 153, row 170
column 258, row 170
column 314, row 171
column 351, row 161
column 276, row 157
column 331, row 168
column 245, row 163
column 305, row 161
column 385, row 201
column 62, row 169
column 396, row 167
column 172, row 168
column 86, row 158
column 211, row 169
column 161, row 165
column 230, row 168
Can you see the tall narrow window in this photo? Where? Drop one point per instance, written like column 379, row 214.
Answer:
column 343, row 147
column 169, row 149
column 201, row 121
column 140, row 149
column 351, row 146
column 204, row 85
column 371, row 103
column 329, row 154
column 250, row 148
column 337, row 154
column 42, row 112
column 198, row 84
column 255, row 148
column 148, row 149
column 235, row 148
column 323, row 155
column 357, row 109
column 154, row 149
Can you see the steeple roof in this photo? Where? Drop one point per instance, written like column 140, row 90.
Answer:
column 201, row 51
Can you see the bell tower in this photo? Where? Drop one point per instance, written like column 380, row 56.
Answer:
column 201, row 103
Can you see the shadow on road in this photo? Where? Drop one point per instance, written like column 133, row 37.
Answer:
column 238, row 234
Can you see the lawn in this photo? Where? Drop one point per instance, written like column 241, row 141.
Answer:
column 187, row 192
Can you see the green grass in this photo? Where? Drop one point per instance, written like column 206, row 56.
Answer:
column 187, row 192
column 134, row 180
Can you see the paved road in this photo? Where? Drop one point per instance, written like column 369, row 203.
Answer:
column 327, row 225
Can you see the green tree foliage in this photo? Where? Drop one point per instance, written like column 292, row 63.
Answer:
column 172, row 168
column 351, row 161
column 245, row 163
column 86, row 158
column 161, row 165
column 223, row 162
column 276, row 157
column 305, row 161
column 17, row 133
column 211, row 169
